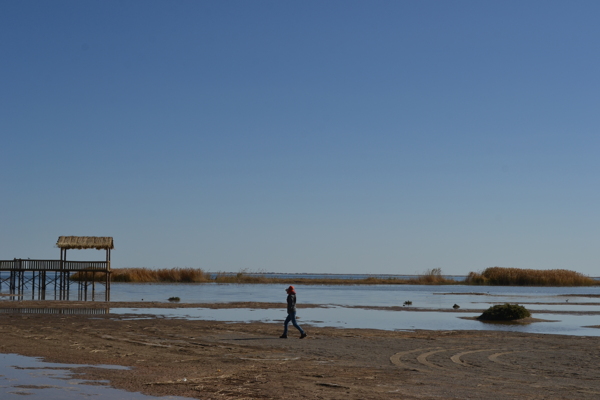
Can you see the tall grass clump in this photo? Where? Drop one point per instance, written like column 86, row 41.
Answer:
column 529, row 277
column 431, row 277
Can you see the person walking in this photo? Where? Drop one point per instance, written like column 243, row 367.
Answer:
column 291, row 311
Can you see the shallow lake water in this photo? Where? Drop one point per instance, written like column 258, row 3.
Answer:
column 428, row 296
column 339, row 298
column 29, row 378
column 343, row 317
column 427, row 300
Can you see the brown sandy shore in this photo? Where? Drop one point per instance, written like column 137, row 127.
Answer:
column 248, row 361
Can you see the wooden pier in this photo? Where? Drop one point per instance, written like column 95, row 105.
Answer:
column 39, row 279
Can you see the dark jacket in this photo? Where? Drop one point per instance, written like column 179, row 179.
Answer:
column 291, row 303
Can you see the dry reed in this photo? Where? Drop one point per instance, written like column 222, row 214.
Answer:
column 529, row 277
column 490, row 276
column 226, row 278
column 189, row 275
column 431, row 277
column 144, row 275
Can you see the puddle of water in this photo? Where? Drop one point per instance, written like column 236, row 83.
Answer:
column 27, row 376
column 342, row 317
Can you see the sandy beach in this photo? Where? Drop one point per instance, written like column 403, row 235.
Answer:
column 217, row 360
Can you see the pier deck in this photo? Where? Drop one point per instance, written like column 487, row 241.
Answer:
column 41, row 277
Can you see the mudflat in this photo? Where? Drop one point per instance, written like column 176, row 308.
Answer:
column 217, row 360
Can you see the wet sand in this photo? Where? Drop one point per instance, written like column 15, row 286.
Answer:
column 216, row 360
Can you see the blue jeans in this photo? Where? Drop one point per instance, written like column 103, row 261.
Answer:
column 291, row 317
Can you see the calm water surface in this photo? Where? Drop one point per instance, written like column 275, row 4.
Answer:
column 338, row 299
column 341, row 317
column 353, row 295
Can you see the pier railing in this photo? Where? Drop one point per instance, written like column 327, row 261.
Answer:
column 53, row 265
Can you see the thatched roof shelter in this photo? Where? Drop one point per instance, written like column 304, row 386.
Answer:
column 85, row 242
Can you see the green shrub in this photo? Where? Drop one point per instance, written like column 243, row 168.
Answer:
column 505, row 312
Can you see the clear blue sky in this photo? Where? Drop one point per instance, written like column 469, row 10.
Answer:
column 336, row 136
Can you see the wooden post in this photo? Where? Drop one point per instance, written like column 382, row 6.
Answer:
column 43, row 294
column 21, row 277
column 107, row 285
column 64, row 291
column 59, row 281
